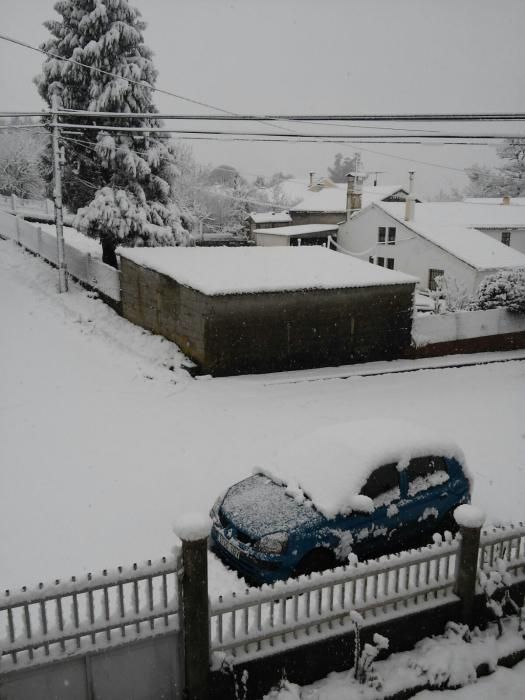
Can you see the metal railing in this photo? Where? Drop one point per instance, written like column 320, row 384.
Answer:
column 79, row 615
column 296, row 611
column 16, row 204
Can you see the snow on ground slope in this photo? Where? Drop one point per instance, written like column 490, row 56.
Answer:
column 103, row 446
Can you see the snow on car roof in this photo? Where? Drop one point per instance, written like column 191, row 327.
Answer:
column 331, row 465
column 219, row 271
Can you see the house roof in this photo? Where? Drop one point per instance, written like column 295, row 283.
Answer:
column 266, row 217
column 220, row 271
column 466, row 243
column 327, row 196
column 469, row 214
column 514, row 201
column 333, row 198
column 298, row 230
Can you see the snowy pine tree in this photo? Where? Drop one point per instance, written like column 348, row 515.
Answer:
column 507, row 179
column 124, row 183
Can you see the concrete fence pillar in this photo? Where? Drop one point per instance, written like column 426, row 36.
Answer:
column 194, row 606
column 470, row 521
column 14, row 199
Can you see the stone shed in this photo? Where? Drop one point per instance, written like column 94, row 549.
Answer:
column 244, row 310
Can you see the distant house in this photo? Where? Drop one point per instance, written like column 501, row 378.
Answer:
column 429, row 240
column 501, row 218
column 325, row 201
column 266, row 219
column 255, row 309
column 307, row 234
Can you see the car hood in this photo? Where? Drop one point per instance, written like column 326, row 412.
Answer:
column 258, row 506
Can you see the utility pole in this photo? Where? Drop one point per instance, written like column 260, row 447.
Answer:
column 57, row 194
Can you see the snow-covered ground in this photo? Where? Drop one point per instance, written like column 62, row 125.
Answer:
column 104, row 446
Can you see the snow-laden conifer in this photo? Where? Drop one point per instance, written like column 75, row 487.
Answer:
column 121, row 184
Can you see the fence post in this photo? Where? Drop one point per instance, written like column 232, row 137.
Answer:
column 470, row 521
column 13, row 202
column 194, row 606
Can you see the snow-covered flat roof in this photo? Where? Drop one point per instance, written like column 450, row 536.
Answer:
column 298, row 230
column 467, row 244
column 514, row 201
column 220, row 271
column 331, row 465
column 266, row 217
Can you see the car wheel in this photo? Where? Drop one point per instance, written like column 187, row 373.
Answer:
column 316, row 560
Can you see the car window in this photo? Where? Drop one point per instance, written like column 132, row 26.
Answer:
column 382, row 485
column 426, row 472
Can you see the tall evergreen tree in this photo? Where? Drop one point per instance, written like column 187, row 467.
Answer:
column 341, row 167
column 121, row 184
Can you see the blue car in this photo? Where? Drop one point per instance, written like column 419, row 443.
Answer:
column 270, row 527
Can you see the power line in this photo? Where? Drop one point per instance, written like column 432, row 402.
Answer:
column 120, row 77
column 217, row 132
column 232, row 116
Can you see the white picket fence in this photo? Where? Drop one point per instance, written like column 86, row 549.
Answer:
column 294, row 612
column 80, row 264
column 76, row 616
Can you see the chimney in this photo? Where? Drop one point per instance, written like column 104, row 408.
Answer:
column 506, row 199
column 354, row 190
column 410, row 201
column 312, row 173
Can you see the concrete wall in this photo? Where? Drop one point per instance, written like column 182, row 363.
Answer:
column 147, row 670
column 412, row 253
column 245, row 333
column 437, row 328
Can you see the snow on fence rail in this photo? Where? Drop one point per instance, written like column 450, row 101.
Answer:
column 80, row 264
column 80, row 615
column 294, row 612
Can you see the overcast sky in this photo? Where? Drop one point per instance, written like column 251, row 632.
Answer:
column 324, row 56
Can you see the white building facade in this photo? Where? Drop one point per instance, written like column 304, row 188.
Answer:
column 381, row 235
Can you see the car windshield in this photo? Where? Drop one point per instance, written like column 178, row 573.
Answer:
column 258, row 506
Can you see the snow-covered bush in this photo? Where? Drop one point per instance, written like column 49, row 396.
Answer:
column 505, row 288
column 121, row 184
column 364, row 658
column 450, row 294
column 496, row 588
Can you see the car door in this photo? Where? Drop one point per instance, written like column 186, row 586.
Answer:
column 424, row 502
column 383, row 487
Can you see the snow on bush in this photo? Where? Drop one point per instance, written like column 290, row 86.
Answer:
column 505, row 288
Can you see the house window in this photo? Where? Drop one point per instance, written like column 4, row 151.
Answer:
column 390, row 263
column 392, row 235
column 381, row 262
column 371, row 259
column 381, row 234
column 505, row 237
column 432, row 276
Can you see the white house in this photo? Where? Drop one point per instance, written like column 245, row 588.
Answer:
column 305, row 234
column 428, row 240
